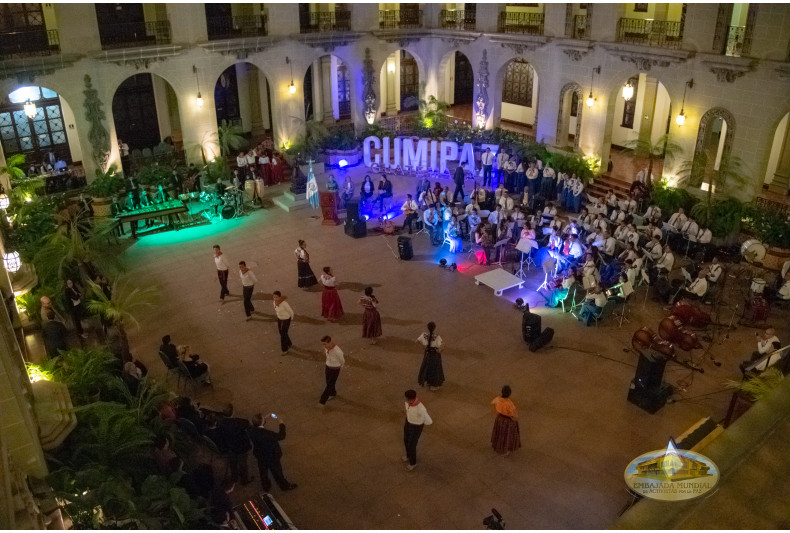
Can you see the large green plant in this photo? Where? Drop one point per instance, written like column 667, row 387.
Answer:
column 230, row 138
column 663, row 148
column 97, row 134
column 13, row 167
column 769, row 224
column 88, row 373
column 154, row 174
column 106, row 184
column 126, row 303
column 722, row 217
column 757, row 387
column 669, row 199
column 433, row 113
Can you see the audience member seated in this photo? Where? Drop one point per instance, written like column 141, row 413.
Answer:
column 133, row 372
column 348, row 191
column 174, row 355
column 384, row 191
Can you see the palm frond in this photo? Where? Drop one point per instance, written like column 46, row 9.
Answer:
column 125, row 304
column 758, row 386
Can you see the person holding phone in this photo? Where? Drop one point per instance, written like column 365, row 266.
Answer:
column 266, row 449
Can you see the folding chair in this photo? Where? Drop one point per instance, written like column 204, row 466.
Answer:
column 603, row 312
column 193, row 381
column 175, row 371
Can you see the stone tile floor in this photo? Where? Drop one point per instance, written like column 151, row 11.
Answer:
column 578, row 431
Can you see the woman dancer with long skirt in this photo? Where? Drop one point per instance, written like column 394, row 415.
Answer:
column 306, row 278
column 506, row 437
column 431, row 371
column 371, row 319
column 331, row 308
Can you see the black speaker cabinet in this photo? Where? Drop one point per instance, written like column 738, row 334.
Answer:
column 651, row 400
column 352, row 210
column 405, row 250
column 356, row 229
column 650, row 372
column 530, row 327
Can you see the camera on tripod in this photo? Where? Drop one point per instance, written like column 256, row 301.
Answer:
column 494, row 521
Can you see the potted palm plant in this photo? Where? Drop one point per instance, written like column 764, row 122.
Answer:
column 663, row 149
column 103, row 187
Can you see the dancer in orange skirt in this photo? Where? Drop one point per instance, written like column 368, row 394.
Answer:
column 505, row 438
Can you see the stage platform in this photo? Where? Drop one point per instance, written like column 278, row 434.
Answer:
column 499, row 280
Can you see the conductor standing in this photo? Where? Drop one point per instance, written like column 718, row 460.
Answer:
column 266, row 449
column 458, row 178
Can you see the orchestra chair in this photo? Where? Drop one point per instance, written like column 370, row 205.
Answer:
column 605, row 310
column 176, row 371
column 570, row 297
column 621, row 314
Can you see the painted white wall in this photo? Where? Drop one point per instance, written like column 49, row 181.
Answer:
column 776, row 149
column 660, row 113
column 69, row 122
column 162, row 111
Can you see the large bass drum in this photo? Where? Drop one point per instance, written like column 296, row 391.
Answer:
column 228, row 212
column 753, row 251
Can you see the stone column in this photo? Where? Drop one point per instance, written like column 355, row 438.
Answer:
column 187, row 22
column 78, row 28
column 488, row 17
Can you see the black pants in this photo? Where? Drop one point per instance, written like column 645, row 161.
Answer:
column 486, row 175
column 238, row 467
column 76, row 316
column 248, row 308
column 411, row 434
column 273, row 466
column 409, row 219
column 459, row 189
column 285, row 340
column 331, row 378
column 223, row 284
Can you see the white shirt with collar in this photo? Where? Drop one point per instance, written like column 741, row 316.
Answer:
column 677, row 220
column 241, row 161
column 221, row 263
column 714, row 272
column 666, row 262
column 283, row 310
column 532, row 173
column 765, row 346
column 784, row 291
column 493, row 217
column 417, row 414
column 655, row 251
column 251, row 159
column 501, row 159
column 608, row 246
column 653, row 212
column 334, row 357
column 548, row 172
column 431, row 217
column 699, row 287
column 248, row 279
column 487, row 158
column 409, row 205
column 704, row 236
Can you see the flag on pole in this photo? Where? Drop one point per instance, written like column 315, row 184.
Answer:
column 312, row 186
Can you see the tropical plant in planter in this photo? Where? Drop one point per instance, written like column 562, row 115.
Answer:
column 664, row 148
column 669, row 199
column 154, row 175
column 231, row 138
column 122, row 307
column 770, row 225
column 433, row 114
column 103, row 187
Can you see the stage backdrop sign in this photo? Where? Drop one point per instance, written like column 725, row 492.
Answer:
column 405, row 153
column 671, row 475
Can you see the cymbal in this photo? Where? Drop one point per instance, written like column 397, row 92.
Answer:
column 229, row 188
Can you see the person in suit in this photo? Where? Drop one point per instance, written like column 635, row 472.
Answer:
column 385, row 191
column 55, row 335
column 458, row 179
column 134, row 190
column 235, row 443
column 266, row 449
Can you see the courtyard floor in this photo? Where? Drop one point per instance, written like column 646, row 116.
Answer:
column 578, row 432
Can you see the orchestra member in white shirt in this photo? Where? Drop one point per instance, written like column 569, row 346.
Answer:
column 653, row 213
column 678, row 219
column 611, row 202
column 501, row 162
column 487, row 160
column 474, row 221
column 654, row 248
column 704, row 236
column 608, row 245
column 714, row 271
column 409, row 209
column 532, row 180
column 697, row 288
column 431, row 220
column 495, row 215
column 506, row 203
column 631, row 235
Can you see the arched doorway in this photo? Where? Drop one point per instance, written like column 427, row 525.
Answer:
column 714, row 145
column 400, row 83
column 457, row 85
column 640, row 115
column 327, row 90
column 147, row 120
column 777, row 174
column 519, row 96
column 242, row 100
column 569, row 123
column 38, row 128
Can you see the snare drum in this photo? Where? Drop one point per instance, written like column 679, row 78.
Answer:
column 753, row 251
column 758, row 285
column 229, row 199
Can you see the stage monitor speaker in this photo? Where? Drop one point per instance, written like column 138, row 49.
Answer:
column 356, row 229
column 405, row 250
column 530, row 327
column 650, row 374
column 352, row 210
column 542, row 340
column 651, row 400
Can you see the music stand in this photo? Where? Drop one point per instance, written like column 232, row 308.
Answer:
column 525, row 246
column 549, row 265
column 500, row 245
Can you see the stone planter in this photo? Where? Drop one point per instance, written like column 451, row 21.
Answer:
column 101, row 207
column 352, row 157
column 776, row 257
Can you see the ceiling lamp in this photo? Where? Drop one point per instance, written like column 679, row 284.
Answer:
column 628, row 91
column 590, row 99
column 681, row 118
column 30, row 109
column 11, row 261
column 292, row 87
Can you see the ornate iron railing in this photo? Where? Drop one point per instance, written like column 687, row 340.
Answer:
column 457, row 19
column 327, row 21
column 580, row 27
column 735, row 38
column 655, row 33
column 402, row 19
column 528, row 23
column 235, row 27
column 127, row 34
column 29, row 43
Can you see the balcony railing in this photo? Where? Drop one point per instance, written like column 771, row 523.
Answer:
column 29, row 43
column 129, row 34
column 457, row 19
column 236, row 27
column 655, row 33
column 735, row 37
column 328, row 21
column 402, row 19
column 528, row 23
column 580, row 27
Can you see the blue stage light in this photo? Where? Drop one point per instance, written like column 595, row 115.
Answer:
column 342, row 163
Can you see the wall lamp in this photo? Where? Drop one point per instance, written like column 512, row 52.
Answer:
column 681, row 118
column 199, row 98
column 590, row 99
column 292, row 87
column 628, row 91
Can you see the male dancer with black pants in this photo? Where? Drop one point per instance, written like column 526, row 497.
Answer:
column 248, row 281
column 222, row 272
column 334, row 362
column 416, row 418
column 284, row 316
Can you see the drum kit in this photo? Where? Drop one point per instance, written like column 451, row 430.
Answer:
column 218, row 207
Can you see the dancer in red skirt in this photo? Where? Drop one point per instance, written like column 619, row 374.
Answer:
column 278, row 167
column 331, row 308
column 371, row 319
column 505, row 438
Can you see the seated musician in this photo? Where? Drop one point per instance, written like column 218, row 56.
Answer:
column 384, row 190
column 481, row 195
column 437, row 190
column 650, row 231
column 714, row 271
column 115, row 210
column 454, row 233
column 348, row 191
column 654, row 248
column 594, row 302
column 527, row 232
column 697, row 288
column 555, row 242
column 653, row 214
column 483, row 239
column 784, row 291
column 431, row 220
column 518, row 217
column 631, row 271
column 611, row 202
column 616, row 216
column 427, row 196
column 495, row 215
column 506, row 202
column 549, row 212
column 557, row 225
column 161, row 196
column 409, row 209
column 631, row 235
column 596, row 238
column 677, row 220
column 572, row 249
column 463, row 221
column 659, row 272
column 559, row 292
column 500, row 192
column 628, row 205
column 474, row 220
column 570, row 229
column 620, row 231
column 624, row 288
column 702, row 240
column 599, row 223
column 628, row 253
column 366, row 190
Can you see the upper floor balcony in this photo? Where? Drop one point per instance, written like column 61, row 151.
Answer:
column 315, row 22
column 400, row 19
column 455, row 19
column 133, row 34
column 736, row 36
column 230, row 27
column 580, row 30
column 655, row 33
column 29, row 42
column 516, row 22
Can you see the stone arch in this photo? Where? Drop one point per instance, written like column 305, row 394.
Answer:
column 383, row 72
column 444, row 64
column 562, row 129
column 704, row 124
column 499, row 79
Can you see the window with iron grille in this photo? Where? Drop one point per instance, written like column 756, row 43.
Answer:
column 629, row 107
column 518, row 83
column 409, row 82
column 343, row 92
column 574, row 104
column 36, row 136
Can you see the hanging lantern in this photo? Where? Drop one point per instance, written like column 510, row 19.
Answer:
column 681, row 118
column 11, row 261
column 30, row 109
column 199, row 101
column 4, row 201
column 590, row 100
column 628, row 91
